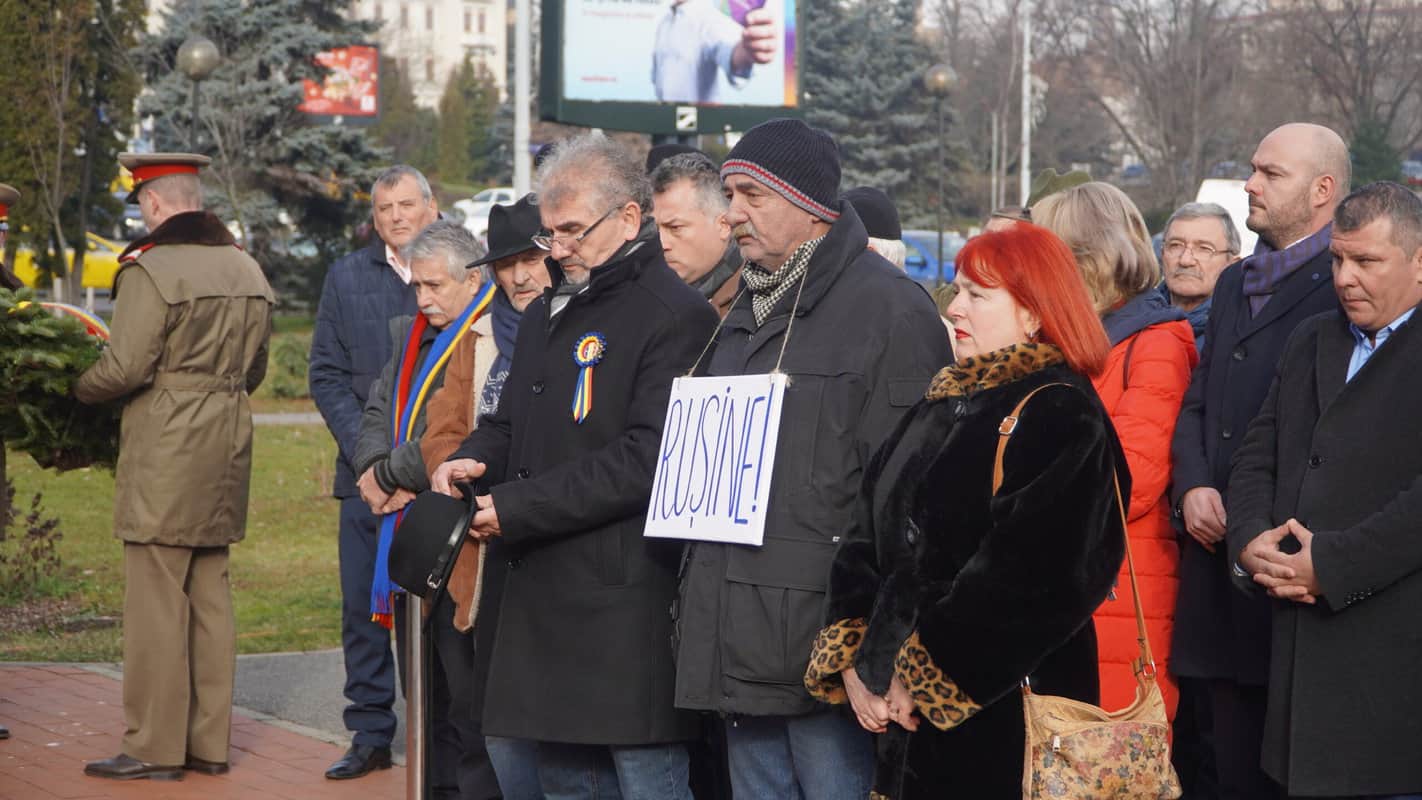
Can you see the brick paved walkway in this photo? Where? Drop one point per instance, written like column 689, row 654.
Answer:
column 61, row 716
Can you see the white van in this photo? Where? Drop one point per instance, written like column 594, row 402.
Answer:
column 1230, row 194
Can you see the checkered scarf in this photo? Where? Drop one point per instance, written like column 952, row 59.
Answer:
column 768, row 287
column 1267, row 267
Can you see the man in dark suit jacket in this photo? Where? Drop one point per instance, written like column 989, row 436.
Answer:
column 1325, row 504
column 582, row 662
column 1220, row 649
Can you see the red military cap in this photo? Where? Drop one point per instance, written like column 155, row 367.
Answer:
column 151, row 166
column 9, row 195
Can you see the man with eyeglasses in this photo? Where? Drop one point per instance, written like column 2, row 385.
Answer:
column 1200, row 241
column 581, row 661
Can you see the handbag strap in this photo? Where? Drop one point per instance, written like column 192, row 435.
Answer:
column 1146, row 663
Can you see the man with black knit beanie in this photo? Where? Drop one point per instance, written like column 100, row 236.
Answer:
column 864, row 342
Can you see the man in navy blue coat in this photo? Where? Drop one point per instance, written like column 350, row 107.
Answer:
column 1220, row 647
column 350, row 347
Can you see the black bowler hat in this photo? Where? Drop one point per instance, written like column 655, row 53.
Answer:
column 511, row 229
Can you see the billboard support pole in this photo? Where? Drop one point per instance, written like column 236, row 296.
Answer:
column 1025, row 174
column 523, row 69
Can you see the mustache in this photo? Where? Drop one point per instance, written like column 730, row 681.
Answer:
column 744, row 229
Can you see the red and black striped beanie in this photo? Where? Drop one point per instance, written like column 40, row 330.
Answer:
column 791, row 158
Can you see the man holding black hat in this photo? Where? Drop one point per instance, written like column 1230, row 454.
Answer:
column 865, row 342
column 454, row 295
column 580, row 661
column 192, row 315
column 473, row 385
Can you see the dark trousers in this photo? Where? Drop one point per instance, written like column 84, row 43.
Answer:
column 457, row 765
column 1222, row 734
column 370, row 665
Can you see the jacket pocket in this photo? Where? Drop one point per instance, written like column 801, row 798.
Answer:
column 775, row 603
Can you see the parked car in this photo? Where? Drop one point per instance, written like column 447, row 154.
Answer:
column 921, row 261
column 1135, row 174
column 476, row 209
column 1412, row 172
column 101, row 263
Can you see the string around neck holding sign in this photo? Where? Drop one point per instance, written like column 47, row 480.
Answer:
column 587, row 353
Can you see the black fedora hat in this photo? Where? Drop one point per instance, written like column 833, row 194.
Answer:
column 429, row 539
column 511, row 229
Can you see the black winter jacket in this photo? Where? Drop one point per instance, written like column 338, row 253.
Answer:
column 351, row 345
column 865, row 342
column 582, row 652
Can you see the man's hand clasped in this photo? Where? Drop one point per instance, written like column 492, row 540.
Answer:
column 1286, row 576
column 486, row 519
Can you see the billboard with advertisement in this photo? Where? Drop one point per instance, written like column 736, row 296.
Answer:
column 351, row 88
column 669, row 66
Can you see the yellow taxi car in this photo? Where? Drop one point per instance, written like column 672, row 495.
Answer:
column 100, row 263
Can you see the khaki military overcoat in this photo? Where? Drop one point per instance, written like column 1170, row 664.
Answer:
column 192, row 317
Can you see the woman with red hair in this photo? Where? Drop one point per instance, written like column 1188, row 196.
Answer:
column 946, row 594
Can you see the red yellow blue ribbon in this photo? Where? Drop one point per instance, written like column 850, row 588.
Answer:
column 589, row 350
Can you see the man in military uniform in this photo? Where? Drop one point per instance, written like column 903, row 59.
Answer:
column 9, row 196
column 192, row 315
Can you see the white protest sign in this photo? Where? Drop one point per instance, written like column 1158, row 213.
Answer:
column 716, row 456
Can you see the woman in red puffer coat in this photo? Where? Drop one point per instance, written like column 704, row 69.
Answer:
column 1152, row 356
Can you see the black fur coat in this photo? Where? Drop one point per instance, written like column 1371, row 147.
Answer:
column 961, row 593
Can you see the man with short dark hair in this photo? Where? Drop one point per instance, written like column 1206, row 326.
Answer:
column 690, row 210
column 581, row 662
column 1325, row 502
column 351, row 345
column 1199, row 241
column 864, row 342
column 1221, row 637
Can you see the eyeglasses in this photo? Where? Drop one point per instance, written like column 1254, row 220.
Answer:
column 1199, row 249
column 546, row 241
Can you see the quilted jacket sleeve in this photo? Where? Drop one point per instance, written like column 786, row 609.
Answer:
column 1145, row 415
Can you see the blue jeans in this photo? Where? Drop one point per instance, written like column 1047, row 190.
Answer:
column 599, row 772
column 819, row 756
column 516, row 764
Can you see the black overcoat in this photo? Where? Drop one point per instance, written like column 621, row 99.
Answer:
column 1220, row 633
column 864, row 344
column 583, row 648
column 1345, row 460
column 996, row 588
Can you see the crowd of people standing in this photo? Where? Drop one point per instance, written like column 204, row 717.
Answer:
column 1239, row 422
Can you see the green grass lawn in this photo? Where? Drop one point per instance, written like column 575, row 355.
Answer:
column 284, row 574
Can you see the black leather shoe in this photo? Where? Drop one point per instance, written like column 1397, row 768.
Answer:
column 124, row 768
column 360, row 760
column 206, row 767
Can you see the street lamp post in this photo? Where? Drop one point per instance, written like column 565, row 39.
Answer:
column 938, row 81
column 197, row 59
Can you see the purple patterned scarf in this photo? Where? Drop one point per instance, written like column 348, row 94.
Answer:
column 1267, row 267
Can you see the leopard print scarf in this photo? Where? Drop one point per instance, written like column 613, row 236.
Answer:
column 988, row 370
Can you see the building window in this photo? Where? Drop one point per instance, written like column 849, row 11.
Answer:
column 429, row 69
column 481, row 21
column 404, row 18
column 467, row 20
column 429, row 18
column 379, row 12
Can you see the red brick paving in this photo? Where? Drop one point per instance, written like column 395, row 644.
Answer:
column 61, row 716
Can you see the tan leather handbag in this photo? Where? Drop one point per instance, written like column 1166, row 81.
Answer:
column 1078, row 751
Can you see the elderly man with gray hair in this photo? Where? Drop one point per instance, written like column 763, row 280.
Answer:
column 690, row 209
column 452, row 300
column 582, row 662
column 1200, row 240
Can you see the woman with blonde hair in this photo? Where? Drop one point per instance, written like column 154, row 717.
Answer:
column 1142, row 386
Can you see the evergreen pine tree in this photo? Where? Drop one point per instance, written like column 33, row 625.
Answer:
column 863, row 84
column 404, row 127
column 1373, row 158
column 274, row 168
column 455, row 165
